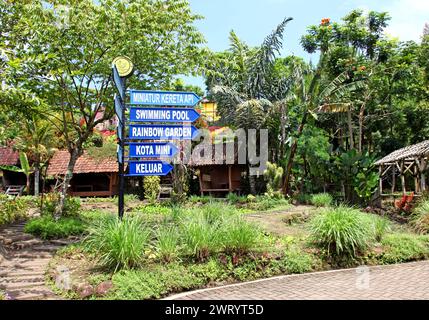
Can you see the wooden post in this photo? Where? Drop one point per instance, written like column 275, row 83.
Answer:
column 393, row 179
column 404, row 189
column 416, row 179
column 380, row 179
column 201, row 182
column 422, row 168
column 229, row 178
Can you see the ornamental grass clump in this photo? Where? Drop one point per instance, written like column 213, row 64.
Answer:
column 342, row 231
column 238, row 236
column 167, row 243
column 321, row 200
column 420, row 218
column 201, row 238
column 119, row 244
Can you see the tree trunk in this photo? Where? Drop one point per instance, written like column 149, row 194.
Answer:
column 361, row 119
column 36, row 179
column 74, row 155
column 350, row 125
column 252, row 184
column 27, row 186
column 286, row 184
column 283, row 120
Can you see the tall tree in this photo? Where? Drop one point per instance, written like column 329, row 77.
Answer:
column 64, row 49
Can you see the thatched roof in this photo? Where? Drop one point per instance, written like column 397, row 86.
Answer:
column 408, row 153
column 84, row 164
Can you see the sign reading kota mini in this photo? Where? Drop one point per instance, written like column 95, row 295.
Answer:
column 152, row 150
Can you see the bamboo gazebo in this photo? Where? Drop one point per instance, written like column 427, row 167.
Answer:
column 405, row 162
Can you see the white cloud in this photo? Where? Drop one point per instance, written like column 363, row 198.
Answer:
column 408, row 18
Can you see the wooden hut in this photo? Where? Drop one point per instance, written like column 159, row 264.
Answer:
column 407, row 163
column 217, row 176
column 91, row 177
column 10, row 157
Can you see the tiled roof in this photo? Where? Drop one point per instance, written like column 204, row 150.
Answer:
column 84, row 164
column 8, row 157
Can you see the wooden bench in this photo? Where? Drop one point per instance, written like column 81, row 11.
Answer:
column 15, row 190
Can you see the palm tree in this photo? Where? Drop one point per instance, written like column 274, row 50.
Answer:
column 240, row 81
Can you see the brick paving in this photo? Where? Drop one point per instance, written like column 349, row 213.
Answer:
column 23, row 262
column 408, row 281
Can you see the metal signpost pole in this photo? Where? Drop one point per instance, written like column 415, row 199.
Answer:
column 122, row 150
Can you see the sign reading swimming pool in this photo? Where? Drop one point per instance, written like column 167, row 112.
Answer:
column 164, row 114
column 149, row 168
column 164, row 98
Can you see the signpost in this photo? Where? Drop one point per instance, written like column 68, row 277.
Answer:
column 163, row 107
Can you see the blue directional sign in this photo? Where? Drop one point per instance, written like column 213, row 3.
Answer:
column 162, row 132
column 118, row 82
column 149, row 168
column 164, row 114
column 163, row 98
column 152, row 150
column 118, row 108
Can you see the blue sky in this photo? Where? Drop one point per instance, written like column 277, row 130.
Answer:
column 252, row 20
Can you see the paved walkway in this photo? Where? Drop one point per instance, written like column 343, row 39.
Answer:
column 23, row 262
column 395, row 282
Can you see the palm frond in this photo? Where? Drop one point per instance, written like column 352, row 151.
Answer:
column 227, row 99
column 251, row 114
column 333, row 107
column 264, row 57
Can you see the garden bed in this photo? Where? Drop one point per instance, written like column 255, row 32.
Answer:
column 194, row 248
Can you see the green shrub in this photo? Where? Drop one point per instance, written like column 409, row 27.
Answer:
column 167, row 243
column 71, row 205
column 402, row 247
column 420, row 218
column 238, row 236
column 118, row 243
column 304, row 198
column 46, row 227
column 201, row 199
column 151, row 209
column 264, row 203
column 234, row 198
column 154, row 283
column 274, row 177
column 151, row 187
column 297, row 261
column 321, row 200
column 342, row 231
column 12, row 209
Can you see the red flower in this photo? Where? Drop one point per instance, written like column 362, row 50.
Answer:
column 325, row 21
